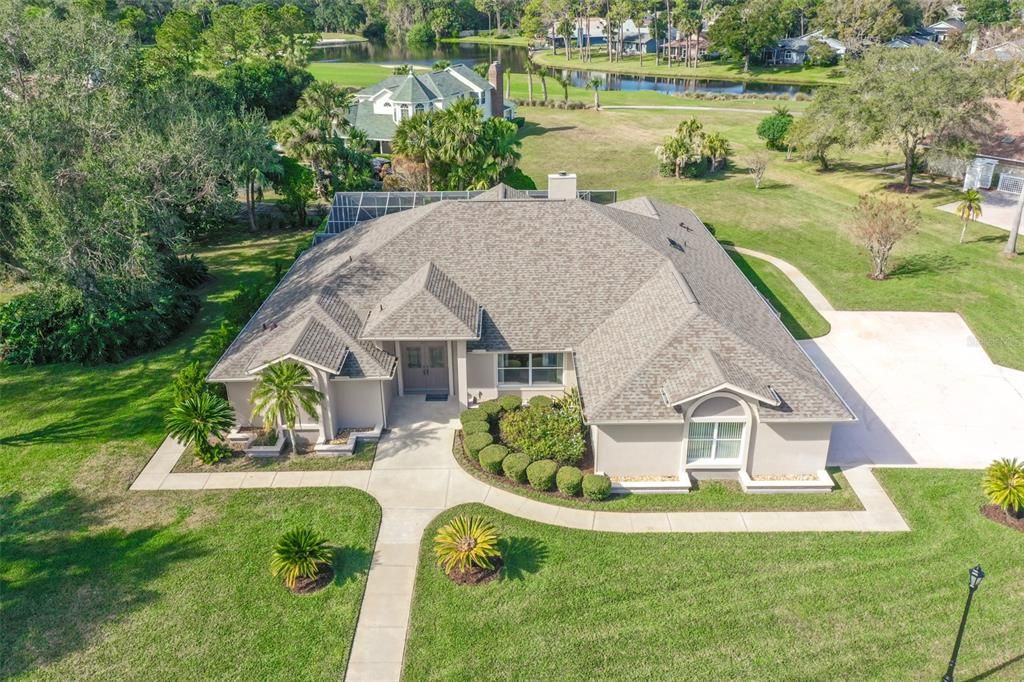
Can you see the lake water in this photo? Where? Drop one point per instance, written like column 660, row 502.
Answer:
column 514, row 57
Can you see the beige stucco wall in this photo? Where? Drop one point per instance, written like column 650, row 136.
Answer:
column 638, row 449
column 357, row 402
column 782, row 448
column 482, row 380
column 238, row 396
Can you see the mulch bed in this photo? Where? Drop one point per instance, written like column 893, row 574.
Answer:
column 994, row 512
column 477, row 576
column 311, row 585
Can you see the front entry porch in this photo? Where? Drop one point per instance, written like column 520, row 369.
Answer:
column 425, row 367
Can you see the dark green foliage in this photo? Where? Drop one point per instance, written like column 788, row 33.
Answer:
column 474, row 415
column 491, row 458
column 515, row 466
column 294, row 183
column 510, row 402
column 541, row 401
column 188, row 271
column 988, row 11
column 820, row 54
column 773, row 128
column 545, row 432
column 190, row 381
column 492, row 408
column 476, row 426
column 244, row 304
column 569, row 481
column 476, row 442
column 596, row 487
column 420, row 34
column 265, row 85
column 197, row 420
column 541, row 474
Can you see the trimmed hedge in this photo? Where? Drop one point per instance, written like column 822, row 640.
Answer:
column 545, row 433
column 541, row 474
column 541, row 401
column 491, row 458
column 476, row 442
column 473, row 416
column 597, row 486
column 478, row 426
column 515, row 466
column 492, row 408
column 569, row 481
column 510, row 402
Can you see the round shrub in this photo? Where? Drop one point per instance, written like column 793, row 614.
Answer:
column 468, row 416
column 491, row 458
column 492, row 408
column 476, row 442
column 569, row 481
column 541, row 401
column 510, row 402
column 541, row 474
column 478, row 426
column 514, row 466
column 597, row 486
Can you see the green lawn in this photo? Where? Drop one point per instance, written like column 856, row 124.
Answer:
column 797, row 215
column 362, row 458
column 722, row 70
column 516, row 41
column 348, row 37
column 99, row 581
column 583, row 605
column 800, row 317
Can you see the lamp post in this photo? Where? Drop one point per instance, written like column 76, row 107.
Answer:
column 975, row 576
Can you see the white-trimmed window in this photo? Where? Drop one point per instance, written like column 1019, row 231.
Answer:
column 530, row 369
column 714, row 441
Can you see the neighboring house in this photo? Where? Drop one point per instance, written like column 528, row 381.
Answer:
column 793, row 51
column 679, row 48
column 682, row 366
column 1000, row 159
column 1007, row 51
column 942, row 30
column 381, row 107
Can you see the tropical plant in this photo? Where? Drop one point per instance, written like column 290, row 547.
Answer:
column 466, row 542
column 774, row 128
column 716, row 148
column 300, row 553
column 565, row 82
column 197, row 419
column 189, row 382
column 595, row 85
column 255, row 158
column 1004, row 485
column 968, row 209
column 282, row 389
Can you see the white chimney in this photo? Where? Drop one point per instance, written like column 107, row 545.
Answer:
column 562, row 185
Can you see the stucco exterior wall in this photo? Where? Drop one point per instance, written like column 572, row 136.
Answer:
column 481, row 377
column 238, row 396
column 781, row 448
column 357, row 403
column 638, row 449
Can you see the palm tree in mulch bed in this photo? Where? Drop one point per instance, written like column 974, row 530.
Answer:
column 1004, row 486
column 281, row 390
column 303, row 559
column 467, row 551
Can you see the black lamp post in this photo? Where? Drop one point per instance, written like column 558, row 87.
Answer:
column 976, row 574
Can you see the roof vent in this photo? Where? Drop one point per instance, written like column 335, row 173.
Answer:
column 268, row 326
column 686, row 227
column 676, row 245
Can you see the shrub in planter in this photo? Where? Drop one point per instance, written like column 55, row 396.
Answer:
column 476, row 442
column 478, row 426
column 541, row 401
column 492, row 408
column 541, row 474
column 514, row 467
column 491, row 458
column 510, row 402
column 1004, row 486
column 468, row 416
column 597, row 486
column 569, row 481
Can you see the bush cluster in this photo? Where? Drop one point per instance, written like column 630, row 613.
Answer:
column 476, row 426
column 476, row 442
column 491, row 458
column 514, row 467
column 571, row 105
column 569, row 481
column 545, row 432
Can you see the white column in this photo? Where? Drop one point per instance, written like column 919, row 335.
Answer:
column 460, row 359
column 324, row 412
column 398, row 354
column 449, row 350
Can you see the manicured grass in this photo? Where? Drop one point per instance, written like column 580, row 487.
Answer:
column 798, row 215
column 348, row 37
column 719, row 70
column 102, row 582
column 800, row 317
column 707, row 496
column 362, row 458
column 516, row 41
column 583, row 605
column 351, row 74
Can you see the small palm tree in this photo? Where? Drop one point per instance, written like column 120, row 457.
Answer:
column 968, row 209
column 1004, row 485
column 565, row 82
column 197, row 419
column 281, row 390
column 300, row 553
column 466, row 542
column 595, row 85
column 716, row 148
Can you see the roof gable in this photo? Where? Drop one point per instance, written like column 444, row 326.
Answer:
column 429, row 304
column 706, row 372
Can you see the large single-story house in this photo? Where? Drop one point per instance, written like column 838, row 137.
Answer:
column 381, row 107
column 683, row 368
column 794, row 50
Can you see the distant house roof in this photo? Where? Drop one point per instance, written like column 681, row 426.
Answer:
column 1011, row 50
column 946, row 25
column 637, row 291
column 922, row 37
column 1006, row 140
column 455, row 80
column 413, row 91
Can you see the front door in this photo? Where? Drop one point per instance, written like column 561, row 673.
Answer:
column 424, row 367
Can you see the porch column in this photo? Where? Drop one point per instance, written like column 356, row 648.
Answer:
column 398, row 354
column 324, row 412
column 460, row 361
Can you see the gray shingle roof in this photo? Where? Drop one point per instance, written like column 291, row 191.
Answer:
column 376, row 126
column 708, row 371
column 412, row 91
column 636, row 290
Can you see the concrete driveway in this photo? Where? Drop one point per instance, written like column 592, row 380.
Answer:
column 997, row 209
column 925, row 392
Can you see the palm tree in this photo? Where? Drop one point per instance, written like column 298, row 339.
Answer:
column 528, row 67
column 197, row 419
column 595, row 85
column 255, row 157
column 565, row 82
column 330, row 102
column 305, row 138
column 281, row 391
column 440, row 65
column 968, row 209
column 414, row 139
column 716, row 148
column 544, row 73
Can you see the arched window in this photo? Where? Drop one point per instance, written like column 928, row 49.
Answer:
column 717, row 431
column 419, row 108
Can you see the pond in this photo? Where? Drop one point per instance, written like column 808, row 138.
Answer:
column 514, row 57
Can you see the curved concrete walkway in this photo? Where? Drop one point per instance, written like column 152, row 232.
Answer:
column 806, row 287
